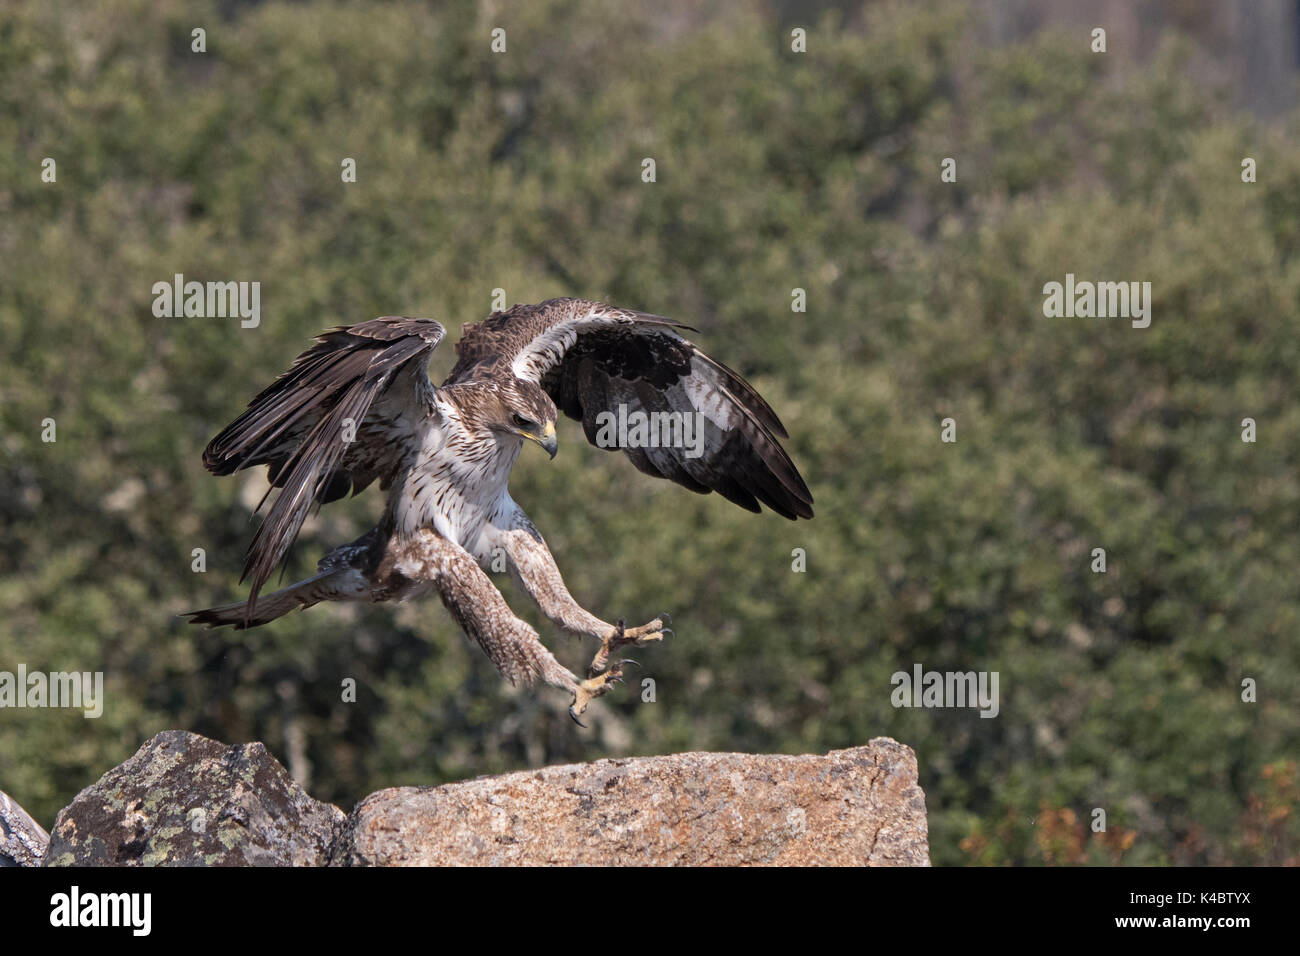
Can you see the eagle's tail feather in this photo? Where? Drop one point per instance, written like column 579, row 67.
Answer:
column 304, row 594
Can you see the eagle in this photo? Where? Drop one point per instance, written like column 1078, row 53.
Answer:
column 359, row 407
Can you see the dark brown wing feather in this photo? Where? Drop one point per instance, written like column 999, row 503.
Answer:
column 376, row 375
column 592, row 358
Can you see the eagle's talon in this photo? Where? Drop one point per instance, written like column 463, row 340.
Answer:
column 596, row 686
column 615, row 674
column 621, row 636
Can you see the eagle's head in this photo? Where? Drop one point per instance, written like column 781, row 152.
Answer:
column 524, row 409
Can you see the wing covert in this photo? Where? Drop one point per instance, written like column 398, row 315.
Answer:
column 597, row 361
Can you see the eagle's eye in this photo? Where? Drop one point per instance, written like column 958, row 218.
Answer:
column 519, row 421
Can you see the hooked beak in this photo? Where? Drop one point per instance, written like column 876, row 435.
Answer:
column 548, row 440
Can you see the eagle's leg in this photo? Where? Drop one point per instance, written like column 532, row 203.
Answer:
column 481, row 611
column 533, row 565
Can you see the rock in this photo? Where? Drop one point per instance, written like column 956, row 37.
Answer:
column 22, row 839
column 184, row 800
column 849, row 808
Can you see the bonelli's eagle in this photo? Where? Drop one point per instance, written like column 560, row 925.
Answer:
column 358, row 406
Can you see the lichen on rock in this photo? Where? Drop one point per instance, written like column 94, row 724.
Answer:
column 185, row 800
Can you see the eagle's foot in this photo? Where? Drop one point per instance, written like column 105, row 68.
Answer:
column 622, row 636
column 598, row 686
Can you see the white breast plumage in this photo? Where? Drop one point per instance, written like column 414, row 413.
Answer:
column 458, row 485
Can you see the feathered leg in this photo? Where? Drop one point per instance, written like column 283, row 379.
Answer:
column 535, row 568
column 473, row 600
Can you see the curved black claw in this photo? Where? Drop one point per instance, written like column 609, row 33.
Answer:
column 616, row 671
column 667, row 630
column 665, row 616
column 575, row 718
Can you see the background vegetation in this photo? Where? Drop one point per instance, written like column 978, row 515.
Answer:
column 775, row 170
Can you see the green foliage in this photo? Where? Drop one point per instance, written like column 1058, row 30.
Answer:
column 775, row 170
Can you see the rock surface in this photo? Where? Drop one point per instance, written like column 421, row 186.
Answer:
column 854, row 807
column 22, row 839
column 184, row 800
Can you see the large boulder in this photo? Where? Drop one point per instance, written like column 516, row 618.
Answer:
column 849, row 808
column 185, row 800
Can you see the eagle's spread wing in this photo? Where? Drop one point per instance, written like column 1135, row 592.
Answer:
column 592, row 358
column 369, row 383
